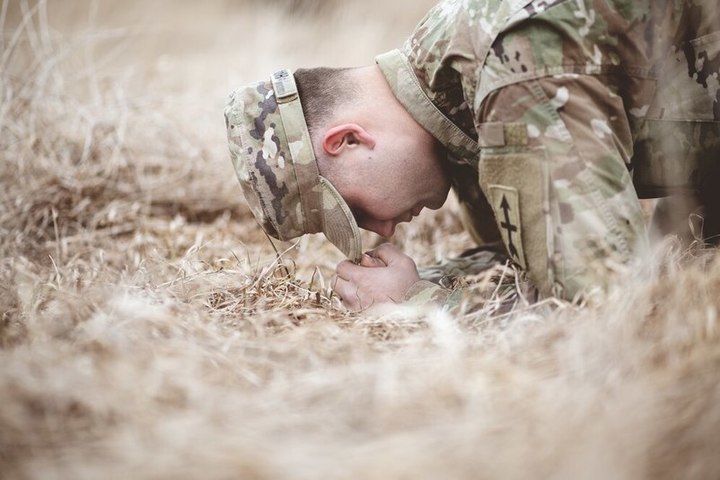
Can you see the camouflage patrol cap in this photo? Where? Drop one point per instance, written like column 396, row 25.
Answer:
column 273, row 157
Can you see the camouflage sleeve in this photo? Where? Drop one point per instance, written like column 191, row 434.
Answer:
column 557, row 109
column 425, row 292
column 440, row 284
column 559, row 182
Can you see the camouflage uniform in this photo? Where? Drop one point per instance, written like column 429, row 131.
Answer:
column 558, row 115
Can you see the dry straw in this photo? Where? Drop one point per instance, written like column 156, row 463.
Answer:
column 149, row 330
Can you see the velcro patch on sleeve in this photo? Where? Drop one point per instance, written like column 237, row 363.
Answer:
column 505, row 203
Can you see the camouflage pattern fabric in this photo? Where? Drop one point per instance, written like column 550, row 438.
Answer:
column 471, row 262
column 464, row 284
column 273, row 157
column 567, row 109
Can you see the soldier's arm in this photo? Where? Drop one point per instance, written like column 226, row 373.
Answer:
column 554, row 167
column 441, row 284
column 555, row 170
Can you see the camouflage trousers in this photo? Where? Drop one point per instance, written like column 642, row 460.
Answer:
column 471, row 262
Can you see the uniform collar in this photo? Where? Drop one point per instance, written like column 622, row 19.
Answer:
column 406, row 87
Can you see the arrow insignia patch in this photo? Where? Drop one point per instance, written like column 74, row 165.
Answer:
column 506, row 205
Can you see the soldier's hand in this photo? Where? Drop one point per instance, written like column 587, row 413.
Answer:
column 384, row 275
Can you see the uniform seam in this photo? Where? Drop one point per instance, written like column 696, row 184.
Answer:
column 449, row 122
column 611, row 222
column 566, row 69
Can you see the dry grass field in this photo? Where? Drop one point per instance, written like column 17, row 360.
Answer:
column 150, row 330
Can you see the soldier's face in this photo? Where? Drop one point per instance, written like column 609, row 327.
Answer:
column 397, row 187
column 385, row 165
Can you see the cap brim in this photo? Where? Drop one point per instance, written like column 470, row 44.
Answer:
column 339, row 225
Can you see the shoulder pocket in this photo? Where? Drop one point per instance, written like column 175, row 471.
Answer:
column 515, row 181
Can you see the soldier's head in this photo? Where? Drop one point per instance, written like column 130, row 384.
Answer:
column 349, row 155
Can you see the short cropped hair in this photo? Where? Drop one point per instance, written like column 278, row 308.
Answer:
column 322, row 91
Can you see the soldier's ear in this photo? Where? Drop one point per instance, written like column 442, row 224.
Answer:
column 346, row 136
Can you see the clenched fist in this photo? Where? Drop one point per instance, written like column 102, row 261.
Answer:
column 384, row 275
